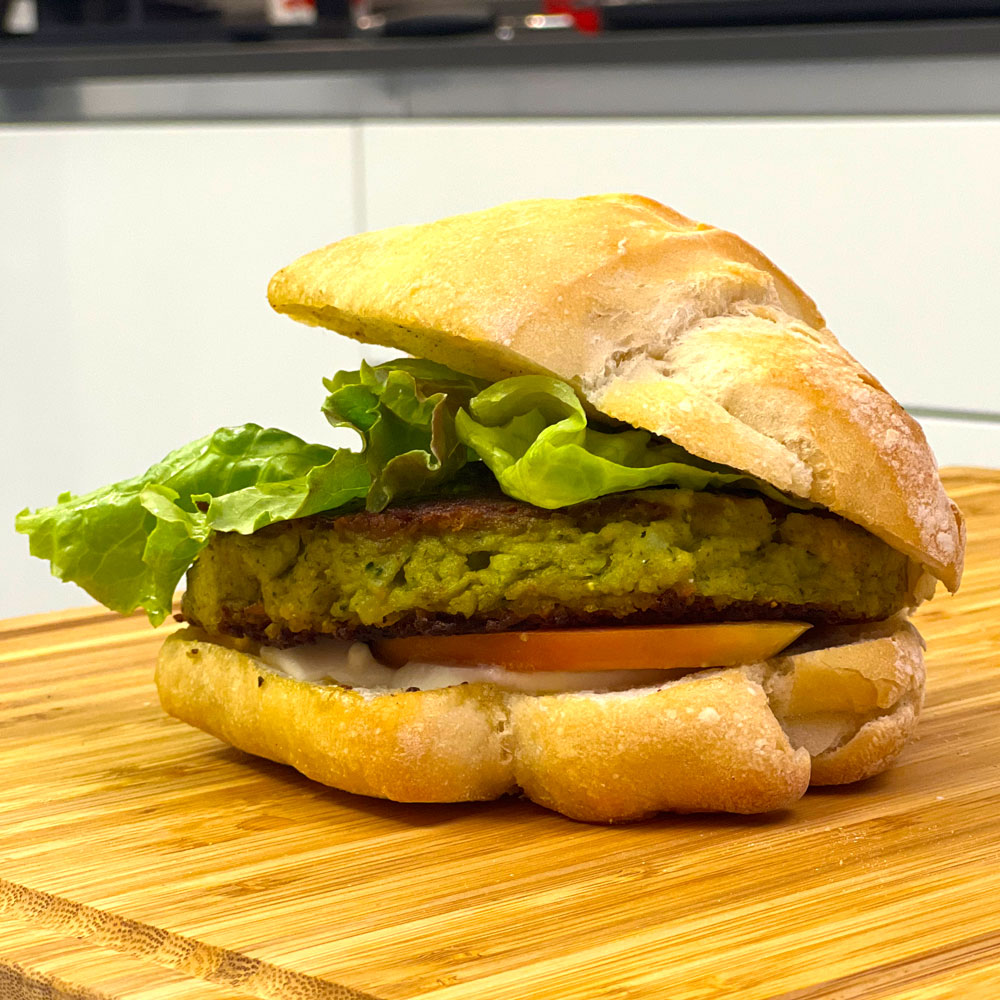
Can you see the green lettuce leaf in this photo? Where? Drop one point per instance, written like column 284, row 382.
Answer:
column 424, row 430
column 405, row 413
column 532, row 432
column 129, row 544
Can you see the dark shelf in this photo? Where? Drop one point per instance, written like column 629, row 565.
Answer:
column 31, row 62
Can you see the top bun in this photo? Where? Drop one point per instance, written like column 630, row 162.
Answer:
column 657, row 321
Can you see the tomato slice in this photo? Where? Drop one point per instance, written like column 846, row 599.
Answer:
column 661, row 647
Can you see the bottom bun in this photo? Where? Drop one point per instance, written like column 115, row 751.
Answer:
column 744, row 739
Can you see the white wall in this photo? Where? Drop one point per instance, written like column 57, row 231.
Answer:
column 133, row 270
column 134, row 262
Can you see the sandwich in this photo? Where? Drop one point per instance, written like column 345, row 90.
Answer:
column 626, row 530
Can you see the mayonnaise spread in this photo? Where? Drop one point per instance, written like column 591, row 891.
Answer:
column 351, row 664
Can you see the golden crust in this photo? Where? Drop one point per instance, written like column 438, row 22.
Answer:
column 853, row 702
column 658, row 321
column 705, row 744
column 744, row 739
column 432, row 746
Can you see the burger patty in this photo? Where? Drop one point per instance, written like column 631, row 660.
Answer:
column 495, row 564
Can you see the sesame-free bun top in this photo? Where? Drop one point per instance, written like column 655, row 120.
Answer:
column 657, row 321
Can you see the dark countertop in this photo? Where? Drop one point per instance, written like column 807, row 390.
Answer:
column 940, row 67
column 29, row 62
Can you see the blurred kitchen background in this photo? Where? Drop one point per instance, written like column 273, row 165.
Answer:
column 159, row 160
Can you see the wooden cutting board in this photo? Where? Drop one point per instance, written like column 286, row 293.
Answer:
column 142, row 859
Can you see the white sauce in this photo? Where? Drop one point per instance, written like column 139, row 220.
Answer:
column 329, row 661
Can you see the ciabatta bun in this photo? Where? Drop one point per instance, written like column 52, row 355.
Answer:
column 689, row 332
column 742, row 739
column 658, row 321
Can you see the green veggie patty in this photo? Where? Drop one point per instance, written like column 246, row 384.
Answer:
column 491, row 563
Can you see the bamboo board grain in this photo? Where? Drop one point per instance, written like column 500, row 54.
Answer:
column 126, row 826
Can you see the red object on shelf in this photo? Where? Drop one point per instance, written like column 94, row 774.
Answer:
column 586, row 17
column 291, row 11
